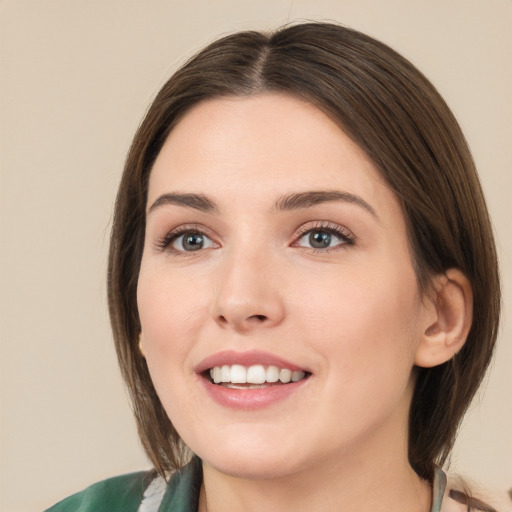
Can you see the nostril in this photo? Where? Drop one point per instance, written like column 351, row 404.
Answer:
column 240, row 321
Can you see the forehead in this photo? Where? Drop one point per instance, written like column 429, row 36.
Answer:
column 262, row 145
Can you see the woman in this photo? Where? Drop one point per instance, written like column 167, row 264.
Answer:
column 303, row 282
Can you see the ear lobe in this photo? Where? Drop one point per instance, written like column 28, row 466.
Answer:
column 448, row 320
column 140, row 341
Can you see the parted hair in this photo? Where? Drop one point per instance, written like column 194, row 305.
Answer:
column 398, row 118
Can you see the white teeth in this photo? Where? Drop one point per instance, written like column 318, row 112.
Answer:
column 238, row 374
column 256, row 374
column 225, row 373
column 285, row 375
column 298, row 375
column 272, row 374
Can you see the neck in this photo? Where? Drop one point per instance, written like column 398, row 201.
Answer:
column 349, row 484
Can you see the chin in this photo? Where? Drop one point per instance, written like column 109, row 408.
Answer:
column 246, row 460
column 254, row 459
column 258, row 468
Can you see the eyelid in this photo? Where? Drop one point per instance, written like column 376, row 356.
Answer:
column 324, row 225
column 164, row 242
column 330, row 227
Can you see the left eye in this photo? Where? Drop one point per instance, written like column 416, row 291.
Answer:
column 191, row 241
column 322, row 239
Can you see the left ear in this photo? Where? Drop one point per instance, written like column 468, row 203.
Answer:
column 447, row 319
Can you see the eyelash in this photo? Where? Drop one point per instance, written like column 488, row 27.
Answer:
column 346, row 236
column 164, row 243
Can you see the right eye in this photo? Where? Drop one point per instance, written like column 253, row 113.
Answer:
column 189, row 241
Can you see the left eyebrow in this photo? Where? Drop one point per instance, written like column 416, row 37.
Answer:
column 311, row 198
column 196, row 201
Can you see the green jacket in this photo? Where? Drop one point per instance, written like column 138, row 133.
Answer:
column 124, row 493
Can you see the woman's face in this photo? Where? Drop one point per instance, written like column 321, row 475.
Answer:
column 274, row 250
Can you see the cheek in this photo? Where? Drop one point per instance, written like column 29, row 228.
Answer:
column 367, row 324
column 170, row 311
column 170, row 316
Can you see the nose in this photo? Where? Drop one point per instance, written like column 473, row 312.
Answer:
column 248, row 294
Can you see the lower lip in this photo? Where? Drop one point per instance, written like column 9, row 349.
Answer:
column 250, row 399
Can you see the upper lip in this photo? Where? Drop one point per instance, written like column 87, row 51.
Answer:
column 248, row 358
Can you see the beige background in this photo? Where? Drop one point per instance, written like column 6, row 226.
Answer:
column 76, row 77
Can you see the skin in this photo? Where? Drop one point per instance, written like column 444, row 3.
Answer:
column 350, row 314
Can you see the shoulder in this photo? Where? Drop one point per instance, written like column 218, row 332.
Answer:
column 462, row 501
column 139, row 492
column 448, row 495
column 121, row 493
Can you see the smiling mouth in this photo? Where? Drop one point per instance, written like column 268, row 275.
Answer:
column 257, row 376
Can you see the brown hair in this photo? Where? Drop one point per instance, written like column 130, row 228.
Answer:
column 398, row 118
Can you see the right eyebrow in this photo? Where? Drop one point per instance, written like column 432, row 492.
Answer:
column 197, row 201
column 311, row 198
